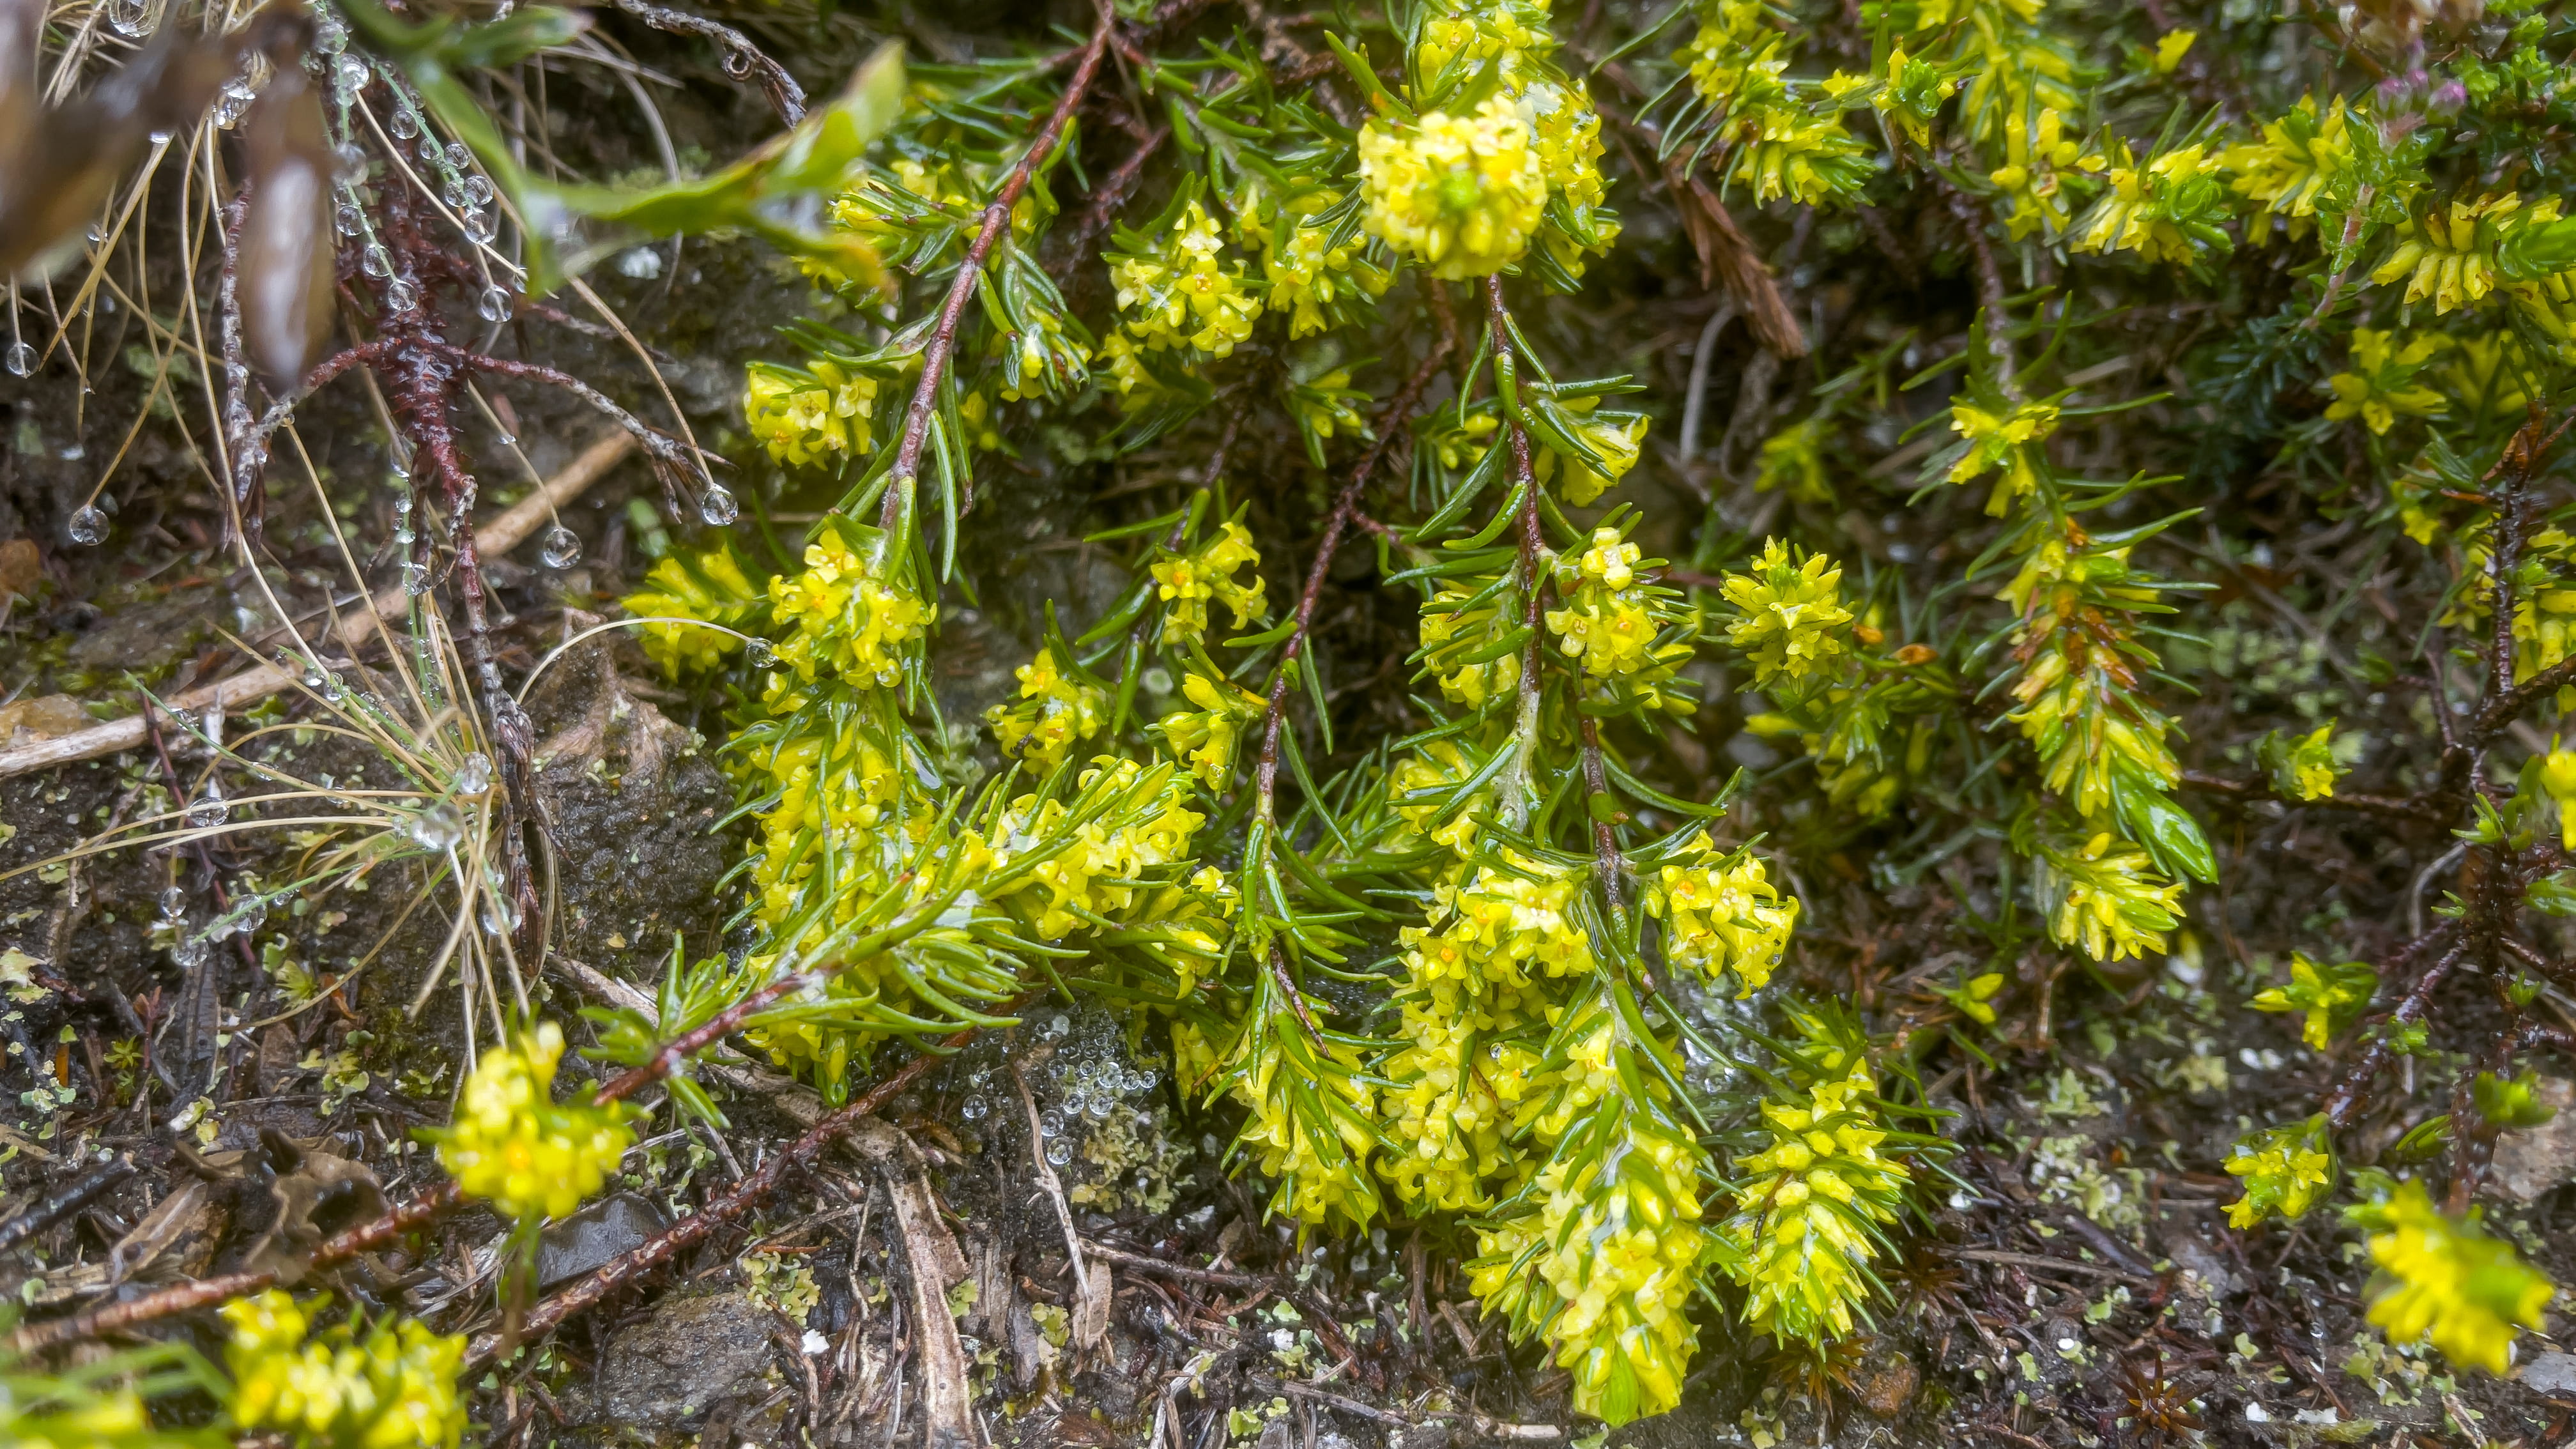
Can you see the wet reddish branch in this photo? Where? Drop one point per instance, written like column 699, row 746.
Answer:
column 970, row 270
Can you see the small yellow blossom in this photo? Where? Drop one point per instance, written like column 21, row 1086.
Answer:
column 1792, row 613
column 391, row 1387
column 1187, row 582
column 512, row 1145
column 2448, row 1280
column 1722, row 914
column 1805, row 1226
column 2449, row 253
column 1458, row 194
column 1054, row 713
column 2381, row 386
column 2286, row 1171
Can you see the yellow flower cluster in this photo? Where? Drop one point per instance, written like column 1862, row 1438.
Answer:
column 1187, row 581
column 1806, row 1220
column 2010, row 441
column 2449, row 253
column 392, row 1387
column 1492, row 929
column 515, row 1147
column 1512, row 34
column 2286, row 1171
column 1317, row 283
column 1792, row 613
column 1458, row 194
column 1609, row 623
column 1721, row 913
column 2163, row 208
column 2107, row 896
column 1054, row 713
column 1185, row 293
column 2294, row 161
column 1614, row 439
column 1420, row 786
column 2381, row 386
column 1204, row 739
column 2329, row 996
column 710, row 586
column 2446, row 1279
column 1736, row 58
column 1617, row 1244
column 2037, row 159
column 1321, row 1166
column 843, row 618
column 1452, row 1088
column 2311, row 765
column 815, row 415
column 1787, row 150
column 1101, row 875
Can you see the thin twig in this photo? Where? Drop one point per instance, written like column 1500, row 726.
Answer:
column 970, row 269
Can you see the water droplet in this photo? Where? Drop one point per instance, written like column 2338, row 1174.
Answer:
column 347, row 220
column 97, row 233
column 174, row 903
column 404, row 123
column 453, row 193
column 431, row 151
column 718, row 506
column 458, row 156
column 1050, row 1124
column 761, row 653
column 375, row 261
column 209, row 809
column 1059, row 1152
column 474, row 774
column 349, row 163
column 500, row 917
column 130, row 17
column 190, row 952
column 436, row 828
column 974, row 1108
column 494, row 304
column 350, row 75
column 88, row 526
column 1096, row 1111
column 560, row 548
column 232, row 102
column 401, row 295
column 1056, row 1027
column 480, row 226
column 478, row 190
column 158, row 138
column 22, row 359
column 250, row 915
column 330, row 37
column 415, row 577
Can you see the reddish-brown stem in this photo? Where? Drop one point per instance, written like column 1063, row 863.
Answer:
column 751, row 1189
column 1611, row 865
column 1533, row 548
column 970, row 269
column 2344, row 1103
column 1345, row 507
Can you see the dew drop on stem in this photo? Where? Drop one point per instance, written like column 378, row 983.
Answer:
column 560, row 549
column 88, row 526
column 21, row 359
column 210, row 808
column 718, row 506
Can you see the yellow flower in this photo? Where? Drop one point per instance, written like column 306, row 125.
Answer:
column 1448, row 1103
column 1722, row 914
column 2298, row 156
column 1317, row 283
column 843, row 619
column 514, row 1146
column 392, row 1387
column 2035, row 158
column 2010, row 441
column 815, row 415
column 1458, row 194
column 1053, row 714
column 1204, row 741
column 2286, row 1170
column 2381, row 387
column 2165, row 208
column 1187, row 582
column 1492, row 929
column 2110, row 900
column 1182, row 293
column 2446, row 1279
column 2449, row 254
column 1804, row 1229
column 1792, row 613
column 2171, row 47
column 710, row 586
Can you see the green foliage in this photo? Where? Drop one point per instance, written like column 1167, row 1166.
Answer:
column 103, row 1401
